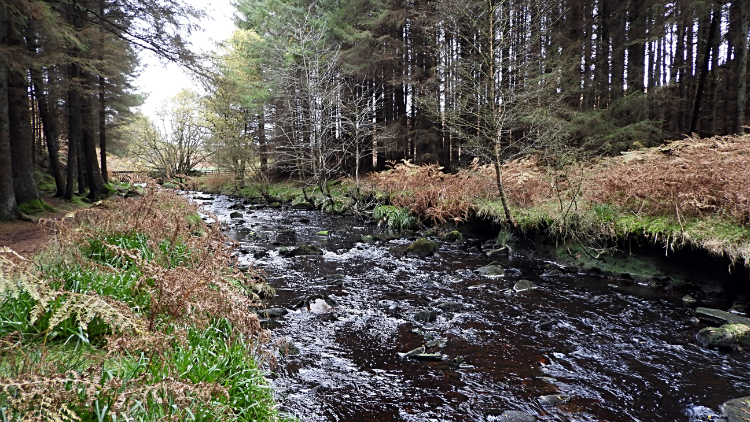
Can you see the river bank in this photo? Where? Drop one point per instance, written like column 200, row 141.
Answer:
column 530, row 339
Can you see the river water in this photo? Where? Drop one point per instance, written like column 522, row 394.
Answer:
column 619, row 351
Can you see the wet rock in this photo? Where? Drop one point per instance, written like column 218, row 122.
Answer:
column 524, row 285
column 498, row 252
column 304, row 220
column 715, row 316
column 301, row 251
column 474, row 249
column 552, row 274
column 274, row 205
column 271, row 312
column 453, row 236
column 303, row 206
column 514, row 416
column 261, row 253
column 410, row 353
column 491, row 271
column 689, row 300
column 450, row 306
column 438, row 342
column 239, row 207
column 736, row 410
column 235, row 214
column 739, row 308
column 421, row 248
column 425, row 315
column 367, row 238
column 288, row 349
column 713, row 292
column 323, row 233
column 203, row 198
column 553, row 400
column 427, row 356
column 728, row 336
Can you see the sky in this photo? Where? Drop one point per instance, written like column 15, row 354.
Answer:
column 161, row 80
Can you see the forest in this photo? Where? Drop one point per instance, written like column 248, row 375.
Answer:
column 320, row 89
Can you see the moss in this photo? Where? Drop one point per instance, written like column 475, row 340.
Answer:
column 35, row 206
column 45, row 182
column 453, row 236
column 193, row 219
column 421, row 247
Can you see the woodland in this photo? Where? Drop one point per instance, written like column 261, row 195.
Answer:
column 319, row 90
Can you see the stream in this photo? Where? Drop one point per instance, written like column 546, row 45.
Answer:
column 595, row 348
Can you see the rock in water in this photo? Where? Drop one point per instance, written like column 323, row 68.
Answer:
column 450, row 306
column 524, row 285
column 515, row 416
column 736, row 410
column 689, row 300
column 305, row 250
column 454, row 236
column 425, row 316
column 271, row 312
column 421, row 248
column 304, row 206
column 553, row 400
column 727, row 336
column 235, row 214
column 716, row 316
column 491, row 271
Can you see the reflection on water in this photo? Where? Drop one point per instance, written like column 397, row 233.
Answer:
column 618, row 355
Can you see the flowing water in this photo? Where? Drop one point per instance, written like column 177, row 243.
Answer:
column 620, row 351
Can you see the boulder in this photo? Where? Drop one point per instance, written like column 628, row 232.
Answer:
column 274, row 205
column 235, row 214
column 454, row 236
column 237, row 207
column 736, row 410
column 524, row 285
column 689, row 300
column 450, row 306
column 317, row 303
column 715, row 316
column 301, row 251
column 303, row 206
column 553, row 400
column 426, row 315
column 491, row 271
column 727, row 336
column 421, row 248
column 515, row 416
column 271, row 312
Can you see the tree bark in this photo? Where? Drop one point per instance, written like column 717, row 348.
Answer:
column 8, row 204
column 704, row 72
column 74, row 133
column 741, row 56
column 21, row 135
column 51, row 133
column 94, row 178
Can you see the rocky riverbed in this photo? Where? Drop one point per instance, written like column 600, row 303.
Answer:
column 367, row 329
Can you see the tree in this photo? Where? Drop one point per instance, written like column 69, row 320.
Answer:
column 175, row 144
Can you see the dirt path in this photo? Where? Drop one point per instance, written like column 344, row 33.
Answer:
column 28, row 237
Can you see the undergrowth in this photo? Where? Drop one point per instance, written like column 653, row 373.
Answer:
column 132, row 314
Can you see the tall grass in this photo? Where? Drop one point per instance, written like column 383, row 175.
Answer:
column 132, row 314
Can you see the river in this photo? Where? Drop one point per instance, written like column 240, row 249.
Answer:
column 610, row 349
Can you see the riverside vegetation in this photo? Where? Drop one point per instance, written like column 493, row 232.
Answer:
column 132, row 313
column 684, row 194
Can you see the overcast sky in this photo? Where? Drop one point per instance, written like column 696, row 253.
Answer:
column 159, row 80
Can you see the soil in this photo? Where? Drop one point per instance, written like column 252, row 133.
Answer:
column 29, row 237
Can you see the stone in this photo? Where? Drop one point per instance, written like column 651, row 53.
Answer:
column 425, row 315
column 410, row 353
column 235, row 214
column 524, row 285
column 274, row 205
column 367, row 238
column 689, row 300
column 237, row 207
column 288, row 349
column 428, row 356
column 303, row 206
column 715, row 316
column 515, row 416
column 491, row 271
column 450, row 306
column 736, row 410
column 553, row 400
column 304, row 220
column 317, row 303
column 453, row 236
column 728, row 336
column 271, row 312
column 302, row 251
column 323, row 233
column 421, row 248
column 552, row 274
column 261, row 253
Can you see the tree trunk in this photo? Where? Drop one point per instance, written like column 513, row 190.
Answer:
column 103, row 131
column 21, row 135
column 741, row 56
column 636, row 45
column 74, row 133
column 49, row 126
column 262, row 144
column 704, row 72
column 8, row 204
column 94, row 178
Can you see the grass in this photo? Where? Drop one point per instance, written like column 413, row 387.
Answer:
column 131, row 316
